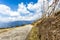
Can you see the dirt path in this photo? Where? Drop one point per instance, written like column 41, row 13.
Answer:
column 19, row 33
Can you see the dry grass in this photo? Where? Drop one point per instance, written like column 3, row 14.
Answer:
column 33, row 35
column 2, row 30
column 5, row 30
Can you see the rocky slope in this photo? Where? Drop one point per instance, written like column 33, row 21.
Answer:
column 47, row 28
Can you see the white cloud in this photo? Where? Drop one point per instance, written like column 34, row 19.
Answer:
column 16, row 15
column 22, row 8
column 6, row 10
column 51, row 1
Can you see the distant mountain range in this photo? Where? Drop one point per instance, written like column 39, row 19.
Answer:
column 14, row 24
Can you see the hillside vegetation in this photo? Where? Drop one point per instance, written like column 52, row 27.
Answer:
column 47, row 28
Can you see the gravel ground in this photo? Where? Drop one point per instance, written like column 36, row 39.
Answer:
column 19, row 33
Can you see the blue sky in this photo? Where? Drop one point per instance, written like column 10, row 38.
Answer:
column 20, row 10
column 14, row 3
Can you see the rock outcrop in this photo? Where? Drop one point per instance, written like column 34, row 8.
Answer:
column 49, row 27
